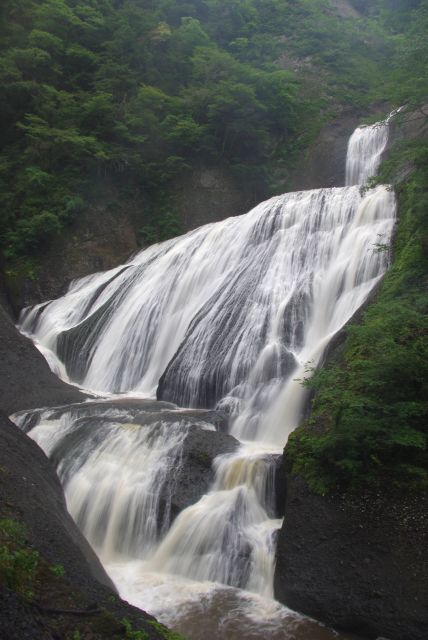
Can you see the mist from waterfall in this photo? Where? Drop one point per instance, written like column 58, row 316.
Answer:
column 229, row 316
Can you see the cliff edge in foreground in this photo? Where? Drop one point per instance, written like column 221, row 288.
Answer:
column 52, row 584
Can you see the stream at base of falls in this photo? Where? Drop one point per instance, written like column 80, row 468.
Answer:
column 183, row 505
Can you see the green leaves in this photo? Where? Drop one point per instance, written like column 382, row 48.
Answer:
column 18, row 563
column 369, row 421
column 141, row 92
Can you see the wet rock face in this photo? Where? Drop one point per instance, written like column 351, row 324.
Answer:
column 196, row 472
column 357, row 563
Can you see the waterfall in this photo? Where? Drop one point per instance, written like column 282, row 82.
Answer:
column 230, row 317
column 223, row 315
column 365, row 149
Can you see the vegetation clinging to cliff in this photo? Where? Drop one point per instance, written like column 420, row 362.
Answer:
column 369, row 420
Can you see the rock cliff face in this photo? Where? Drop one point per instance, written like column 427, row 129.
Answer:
column 324, row 164
column 358, row 563
column 30, row 494
column 208, row 195
column 26, row 381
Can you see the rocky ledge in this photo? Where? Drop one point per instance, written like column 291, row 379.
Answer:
column 91, row 422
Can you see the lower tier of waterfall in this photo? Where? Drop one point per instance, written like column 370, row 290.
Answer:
column 126, row 466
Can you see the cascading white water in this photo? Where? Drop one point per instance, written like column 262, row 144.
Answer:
column 229, row 315
column 226, row 313
column 365, row 149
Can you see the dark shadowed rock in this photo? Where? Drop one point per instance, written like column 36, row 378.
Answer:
column 324, row 164
column 30, row 493
column 196, row 472
column 26, row 381
column 209, row 194
column 358, row 563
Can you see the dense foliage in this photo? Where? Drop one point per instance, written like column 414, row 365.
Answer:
column 135, row 93
column 369, row 421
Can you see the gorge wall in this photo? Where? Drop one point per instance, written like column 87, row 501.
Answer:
column 356, row 561
column 360, row 551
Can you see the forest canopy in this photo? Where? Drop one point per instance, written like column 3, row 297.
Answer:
column 137, row 92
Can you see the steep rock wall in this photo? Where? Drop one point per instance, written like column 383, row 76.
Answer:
column 26, row 381
column 209, row 194
column 356, row 562
column 31, row 495
column 323, row 165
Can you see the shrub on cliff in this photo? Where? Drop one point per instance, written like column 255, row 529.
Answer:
column 369, row 420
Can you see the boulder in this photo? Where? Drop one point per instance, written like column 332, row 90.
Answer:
column 356, row 562
column 25, row 377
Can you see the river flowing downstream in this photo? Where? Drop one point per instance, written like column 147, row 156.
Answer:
column 225, row 320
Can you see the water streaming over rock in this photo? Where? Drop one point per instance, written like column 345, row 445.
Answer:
column 226, row 316
column 365, row 149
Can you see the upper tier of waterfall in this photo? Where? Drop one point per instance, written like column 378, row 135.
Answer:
column 365, row 149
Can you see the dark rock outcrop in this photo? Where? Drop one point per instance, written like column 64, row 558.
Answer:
column 196, row 472
column 358, row 563
column 210, row 194
column 324, row 164
column 25, row 378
